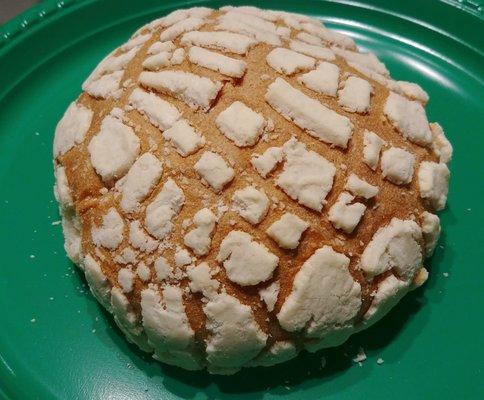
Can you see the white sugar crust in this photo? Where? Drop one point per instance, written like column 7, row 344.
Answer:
column 246, row 261
column 243, row 185
column 196, row 91
column 309, row 114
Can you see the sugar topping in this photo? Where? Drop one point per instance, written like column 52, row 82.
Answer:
column 106, row 86
column 250, row 25
column 143, row 272
column 127, row 320
column 62, row 191
column 355, row 95
column 344, row 215
column 372, row 144
column 240, row 124
column 396, row 246
column 126, row 279
column 72, row 128
column 162, row 268
column 140, row 180
column 397, row 165
column 433, row 181
column 164, row 207
column 295, row 20
column 412, row 91
column 250, row 19
column 127, row 256
column 72, row 236
column 368, row 60
column 307, row 176
column 197, row 92
column 164, row 319
column 235, row 337
column 200, row 238
column 269, row 295
column 321, row 53
column 104, row 81
column 390, row 291
column 283, row 31
column 110, row 233
column 178, row 56
column 281, row 351
column 409, row 118
column 97, row 280
column 309, row 39
column 251, row 204
column 289, row 62
column 287, row 230
column 179, row 15
column 135, row 42
column 430, row 231
column 264, row 14
column 440, row 144
column 309, row 114
column 184, row 137
column 182, row 26
column 217, row 62
column 139, row 239
column 160, row 47
column 371, row 73
column 113, row 149
column 266, row 162
column 224, row 41
column 214, row 170
column 157, row 61
column 324, row 79
column 201, row 279
column 332, row 37
column 324, row 296
column 246, row 261
column 182, row 257
column 158, row 111
column 360, row 188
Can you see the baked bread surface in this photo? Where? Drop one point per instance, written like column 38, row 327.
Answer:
column 242, row 184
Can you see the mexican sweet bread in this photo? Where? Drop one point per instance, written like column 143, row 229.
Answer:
column 240, row 184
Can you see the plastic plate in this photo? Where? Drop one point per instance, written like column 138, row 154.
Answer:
column 57, row 343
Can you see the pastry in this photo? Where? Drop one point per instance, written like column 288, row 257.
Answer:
column 241, row 184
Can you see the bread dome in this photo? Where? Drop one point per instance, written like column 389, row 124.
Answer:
column 240, row 184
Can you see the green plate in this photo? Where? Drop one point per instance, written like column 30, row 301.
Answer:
column 57, row 343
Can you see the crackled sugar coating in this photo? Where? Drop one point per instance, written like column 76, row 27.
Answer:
column 239, row 185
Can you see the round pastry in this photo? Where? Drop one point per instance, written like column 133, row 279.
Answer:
column 240, row 184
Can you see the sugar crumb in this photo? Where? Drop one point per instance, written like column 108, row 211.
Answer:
column 360, row 357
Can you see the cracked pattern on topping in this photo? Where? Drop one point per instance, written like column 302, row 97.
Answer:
column 212, row 135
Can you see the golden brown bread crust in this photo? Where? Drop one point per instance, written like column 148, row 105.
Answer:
column 92, row 202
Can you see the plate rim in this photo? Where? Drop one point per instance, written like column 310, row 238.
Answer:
column 19, row 26
column 68, row 7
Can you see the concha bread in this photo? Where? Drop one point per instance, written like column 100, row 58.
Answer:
column 240, row 184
